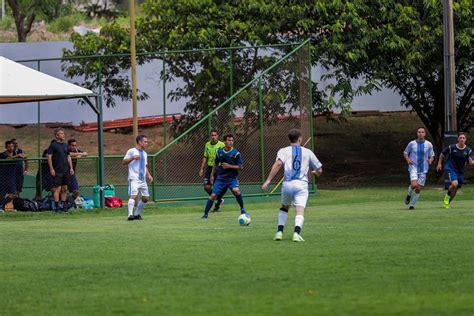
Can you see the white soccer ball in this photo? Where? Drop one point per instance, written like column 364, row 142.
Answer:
column 244, row 219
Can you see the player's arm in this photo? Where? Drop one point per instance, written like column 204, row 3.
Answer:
column 439, row 167
column 50, row 164
column 69, row 162
column 203, row 166
column 407, row 159
column 129, row 157
column 275, row 168
column 148, row 175
column 317, row 172
column 237, row 166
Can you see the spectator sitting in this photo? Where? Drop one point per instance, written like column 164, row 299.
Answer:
column 7, row 172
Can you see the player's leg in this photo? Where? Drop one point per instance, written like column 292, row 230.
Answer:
column 300, row 199
column 143, row 189
column 207, row 180
column 132, row 193
column 419, row 183
column 413, row 183
column 238, row 195
column 286, row 198
column 453, row 188
column 218, row 190
column 56, row 190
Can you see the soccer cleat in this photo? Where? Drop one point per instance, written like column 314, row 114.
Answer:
column 411, row 208
column 218, row 205
column 131, row 218
column 204, row 217
column 278, row 236
column 138, row 217
column 407, row 199
column 297, row 237
column 446, row 201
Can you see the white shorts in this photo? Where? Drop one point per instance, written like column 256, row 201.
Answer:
column 137, row 186
column 419, row 177
column 294, row 192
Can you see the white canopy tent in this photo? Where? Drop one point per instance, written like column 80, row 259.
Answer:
column 19, row 83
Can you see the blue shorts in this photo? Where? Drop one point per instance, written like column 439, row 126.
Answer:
column 221, row 186
column 73, row 185
column 453, row 175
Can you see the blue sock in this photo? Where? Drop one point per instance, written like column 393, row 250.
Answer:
column 208, row 206
column 240, row 200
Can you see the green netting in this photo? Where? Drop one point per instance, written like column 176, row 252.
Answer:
column 259, row 116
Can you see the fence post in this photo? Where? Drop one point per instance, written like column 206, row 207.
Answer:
column 100, row 118
column 165, row 141
column 38, row 140
column 260, row 110
column 310, row 108
column 153, row 174
column 231, row 88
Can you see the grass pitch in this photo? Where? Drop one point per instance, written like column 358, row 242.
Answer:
column 365, row 253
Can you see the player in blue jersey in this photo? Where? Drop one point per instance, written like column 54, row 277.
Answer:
column 419, row 155
column 226, row 168
column 455, row 156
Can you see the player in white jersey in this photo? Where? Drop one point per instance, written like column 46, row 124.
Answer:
column 297, row 162
column 136, row 159
column 419, row 155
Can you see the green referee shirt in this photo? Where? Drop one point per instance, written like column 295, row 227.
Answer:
column 210, row 151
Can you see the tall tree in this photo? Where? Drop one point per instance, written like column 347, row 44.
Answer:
column 24, row 13
column 396, row 44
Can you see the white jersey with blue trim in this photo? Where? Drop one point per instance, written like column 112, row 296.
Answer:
column 420, row 153
column 137, row 168
column 297, row 160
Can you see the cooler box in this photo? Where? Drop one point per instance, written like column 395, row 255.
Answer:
column 109, row 191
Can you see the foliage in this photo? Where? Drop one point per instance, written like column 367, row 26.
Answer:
column 397, row 44
column 64, row 23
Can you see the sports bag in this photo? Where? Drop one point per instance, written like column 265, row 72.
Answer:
column 113, row 202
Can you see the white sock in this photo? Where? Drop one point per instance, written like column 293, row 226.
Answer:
column 282, row 217
column 299, row 219
column 414, row 199
column 410, row 190
column 131, row 204
column 139, row 207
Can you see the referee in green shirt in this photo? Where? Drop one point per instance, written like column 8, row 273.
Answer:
column 208, row 160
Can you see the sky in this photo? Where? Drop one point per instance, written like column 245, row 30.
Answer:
column 148, row 80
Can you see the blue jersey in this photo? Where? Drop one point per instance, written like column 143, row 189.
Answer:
column 232, row 157
column 456, row 158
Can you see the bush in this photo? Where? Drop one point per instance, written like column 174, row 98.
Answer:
column 7, row 23
column 64, row 23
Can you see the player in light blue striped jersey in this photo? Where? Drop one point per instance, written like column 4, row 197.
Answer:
column 419, row 155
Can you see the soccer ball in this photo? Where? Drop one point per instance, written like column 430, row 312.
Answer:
column 244, row 220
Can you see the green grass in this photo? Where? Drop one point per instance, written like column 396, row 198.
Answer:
column 365, row 253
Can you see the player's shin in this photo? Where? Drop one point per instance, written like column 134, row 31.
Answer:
column 240, row 200
column 131, row 204
column 139, row 207
column 208, row 207
column 414, row 199
column 299, row 220
column 282, row 217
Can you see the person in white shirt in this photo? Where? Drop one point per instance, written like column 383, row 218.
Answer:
column 297, row 162
column 136, row 159
column 419, row 155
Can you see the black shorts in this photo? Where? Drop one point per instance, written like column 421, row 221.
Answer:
column 60, row 179
column 207, row 176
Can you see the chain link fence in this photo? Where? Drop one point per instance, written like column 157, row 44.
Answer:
column 256, row 93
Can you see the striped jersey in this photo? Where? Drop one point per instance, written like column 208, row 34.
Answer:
column 297, row 160
column 420, row 152
column 137, row 168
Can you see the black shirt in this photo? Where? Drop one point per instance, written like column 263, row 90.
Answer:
column 59, row 151
column 74, row 160
column 7, row 168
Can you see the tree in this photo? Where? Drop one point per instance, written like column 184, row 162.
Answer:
column 396, row 44
column 24, row 13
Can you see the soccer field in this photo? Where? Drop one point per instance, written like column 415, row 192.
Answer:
column 365, row 253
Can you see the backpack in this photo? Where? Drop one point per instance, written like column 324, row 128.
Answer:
column 87, row 204
column 114, row 202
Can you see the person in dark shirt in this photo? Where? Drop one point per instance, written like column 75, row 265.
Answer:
column 22, row 166
column 455, row 157
column 60, row 168
column 7, row 172
column 228, row 162
column 44, row 181
column 75, row 154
